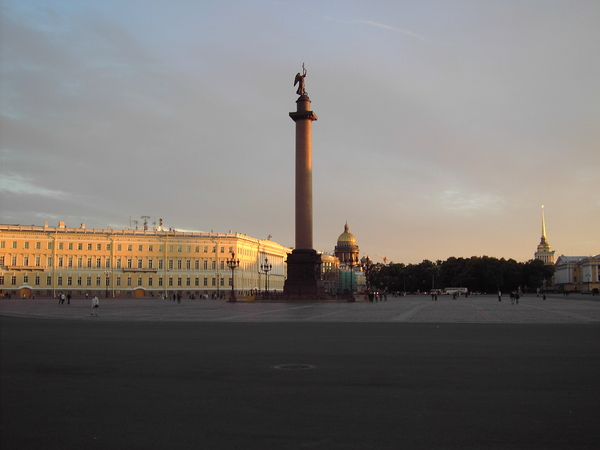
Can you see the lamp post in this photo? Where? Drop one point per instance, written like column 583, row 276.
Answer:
column 233, row 264
column 266, row 268
column 218, row 275
column 351, row 262
column 107, row 273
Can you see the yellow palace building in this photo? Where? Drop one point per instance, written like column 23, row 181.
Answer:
column 46, row 261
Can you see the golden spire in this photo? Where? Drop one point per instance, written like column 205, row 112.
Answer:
column 543, row 227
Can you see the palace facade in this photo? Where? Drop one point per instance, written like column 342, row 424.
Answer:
column 44, row 260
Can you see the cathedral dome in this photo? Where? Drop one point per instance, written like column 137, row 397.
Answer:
column 346, row 238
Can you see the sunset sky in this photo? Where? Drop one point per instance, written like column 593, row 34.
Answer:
column 443, row 126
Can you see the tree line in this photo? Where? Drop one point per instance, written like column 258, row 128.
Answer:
column 478, row 274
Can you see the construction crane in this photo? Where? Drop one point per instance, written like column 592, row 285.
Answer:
column 385, row 258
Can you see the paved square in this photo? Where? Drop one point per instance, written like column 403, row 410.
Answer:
column 407, row 373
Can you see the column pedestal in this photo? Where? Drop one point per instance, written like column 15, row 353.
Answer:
column 303, row 273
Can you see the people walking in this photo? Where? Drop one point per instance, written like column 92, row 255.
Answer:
column 95, row 305
column 499, row 296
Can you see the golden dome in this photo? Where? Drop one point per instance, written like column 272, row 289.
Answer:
column 346, row 238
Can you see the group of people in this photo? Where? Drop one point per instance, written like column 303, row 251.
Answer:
column 95, row 302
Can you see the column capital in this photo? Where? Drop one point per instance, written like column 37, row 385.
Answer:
column 303, row 115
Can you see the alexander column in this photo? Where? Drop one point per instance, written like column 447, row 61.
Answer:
column 304, row 263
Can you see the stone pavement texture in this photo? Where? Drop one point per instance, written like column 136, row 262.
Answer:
column 408, row 373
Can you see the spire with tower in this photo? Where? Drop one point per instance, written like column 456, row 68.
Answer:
column 544, row 251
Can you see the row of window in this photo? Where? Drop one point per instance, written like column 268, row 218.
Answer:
column 129, row 247
column 91, row 262
column 179, row 281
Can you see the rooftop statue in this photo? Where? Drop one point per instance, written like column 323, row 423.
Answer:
column 300, row 81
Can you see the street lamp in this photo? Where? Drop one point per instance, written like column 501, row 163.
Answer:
column 266, row 268
column 107, row 273
column 218, row 275
column 351, row 262
column 233, row 264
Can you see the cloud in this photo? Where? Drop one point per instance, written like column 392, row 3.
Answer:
column 388, row 27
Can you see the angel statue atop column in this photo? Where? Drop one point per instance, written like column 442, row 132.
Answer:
column 300, row 81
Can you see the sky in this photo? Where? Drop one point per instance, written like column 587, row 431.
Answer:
column 443, row 126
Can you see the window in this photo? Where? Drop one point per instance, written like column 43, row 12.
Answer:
column 38, row 261
column 69, row 281
column 13, row 280
column 197, row 264
column 89, row 247
column 14, row 244
column 179, row 248
column 129, row 248
column 161, row 264
column 205, row 249
column 129, row 263
column 118, row 281
column 139, row 281
column 170, row 281
column 1, row 260
column 107, row 265
column 118, row 247
column 188, row 249
column 60, row 245
column 179, row 281
column 205, row 281
column 48, row 281
column 188, row 281
column 98, row 247
column 98, row 281
column 13, row 260
column 108, row 247
column 89, row 262
column 38, row 245
column 214, row 249
column 118, row 263
column 139, row 263
column 128, row 281
column 49, row 246
column 223, row 282
column 171, row 249
column 151, row 248
column 25, row 261
column 170, row 264
column 160, row 248
column 197, row 249
column 197, row 281
column 26, row 244
column 222, row 249
column 59, row 281
column 222, row 265
column 88, row 281
column 37, row 280
column 188, row 264
column 214, row 265
column 2, row 244
column 140, row 248
column 79, row 281
column 1, row 280
column 214, row 281
column 79, row 246
column 79, row 262
column 149, row 281
column 179, row 264
column 60, row 261
column 70, row 246
column 230, row 249
column 205, row 265
column 25, row 279
column 70, row 261
column 230, row 281
column 98, row 263
column 160, row 281
column 150, row 263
